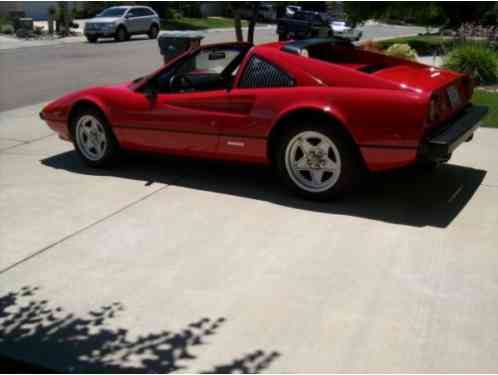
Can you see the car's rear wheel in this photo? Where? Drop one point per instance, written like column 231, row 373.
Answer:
column 121, row 34
column 153, row 32
column 92, row 39
column 93, row 138
column 316, row 161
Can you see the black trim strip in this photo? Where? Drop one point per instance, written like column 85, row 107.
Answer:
column 181, row 131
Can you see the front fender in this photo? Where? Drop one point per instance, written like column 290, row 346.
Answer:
column 61, row 109
column 90, row 99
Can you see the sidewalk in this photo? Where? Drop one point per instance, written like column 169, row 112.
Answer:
column 11, row 42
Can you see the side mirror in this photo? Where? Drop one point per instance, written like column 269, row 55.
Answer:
column 150, row 92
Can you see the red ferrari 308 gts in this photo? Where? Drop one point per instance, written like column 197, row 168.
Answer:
column 318, row 110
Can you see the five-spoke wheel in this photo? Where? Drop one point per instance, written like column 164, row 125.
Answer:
column 313, row 161
column 316, row 161
column 93, row 138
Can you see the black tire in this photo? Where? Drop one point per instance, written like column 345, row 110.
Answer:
column 350, row 170
column 153, row 32
column 112, row 150
column 121, row 34
column 92, row 39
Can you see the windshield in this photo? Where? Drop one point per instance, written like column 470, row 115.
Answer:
column 112, row 12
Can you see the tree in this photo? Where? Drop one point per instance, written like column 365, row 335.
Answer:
column 252, row 22
column 237, row 8
column 429, row 13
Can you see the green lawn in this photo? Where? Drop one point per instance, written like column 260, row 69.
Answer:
column 489, row 99
column 186, row 23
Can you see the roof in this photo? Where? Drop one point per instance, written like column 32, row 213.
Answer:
column 297, row 46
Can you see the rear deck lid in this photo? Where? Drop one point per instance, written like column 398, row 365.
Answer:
column 417, row 76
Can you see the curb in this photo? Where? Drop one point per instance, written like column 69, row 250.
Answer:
column 222, row 29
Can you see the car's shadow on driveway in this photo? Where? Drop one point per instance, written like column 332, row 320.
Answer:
column 410, row 196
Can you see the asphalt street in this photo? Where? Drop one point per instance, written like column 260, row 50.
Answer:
column 163, row 265
column 35, row 74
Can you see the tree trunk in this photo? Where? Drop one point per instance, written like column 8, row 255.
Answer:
column 238, row 23
column 252, row 23
column 67, row 19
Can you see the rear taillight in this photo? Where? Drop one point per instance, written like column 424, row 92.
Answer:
column 438, row 107
column 432, row 111
column 467, row 86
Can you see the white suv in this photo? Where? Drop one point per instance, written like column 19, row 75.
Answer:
column 122, row 22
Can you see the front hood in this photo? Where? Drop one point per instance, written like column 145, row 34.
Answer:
column 102, row 20
column 417, row 76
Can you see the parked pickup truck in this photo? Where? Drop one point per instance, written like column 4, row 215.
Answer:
column 304, row 25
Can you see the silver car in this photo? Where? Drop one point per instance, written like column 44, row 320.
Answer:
column 122, row 22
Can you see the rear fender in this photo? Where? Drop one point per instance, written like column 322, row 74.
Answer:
column 325, row 108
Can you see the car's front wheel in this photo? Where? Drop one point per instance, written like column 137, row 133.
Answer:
column 91, row 38
column 153, row 32
column 121, row 34
column 316, row 161
column 93, row 138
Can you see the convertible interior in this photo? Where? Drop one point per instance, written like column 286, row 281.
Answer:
column 207, row 70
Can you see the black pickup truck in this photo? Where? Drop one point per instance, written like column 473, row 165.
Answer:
column 303, row 25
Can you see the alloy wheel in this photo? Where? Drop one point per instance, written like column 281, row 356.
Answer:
column 313, row 161
column 91, row 138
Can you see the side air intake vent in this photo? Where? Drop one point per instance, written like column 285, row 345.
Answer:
column 259, row 74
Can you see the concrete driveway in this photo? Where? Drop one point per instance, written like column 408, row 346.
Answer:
column 165, row 265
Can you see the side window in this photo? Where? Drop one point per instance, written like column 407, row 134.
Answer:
column 201, row 72
column 147, row 12
column 132, row 13
column 140, row 12
column 261, row 74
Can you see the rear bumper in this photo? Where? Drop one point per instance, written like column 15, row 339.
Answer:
column 439, row 145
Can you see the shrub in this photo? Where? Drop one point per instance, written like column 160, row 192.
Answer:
column 475, row 59
column 424, row 45
column 171, row 14
column 7, row 29
column 191, row 9
column 403, row 51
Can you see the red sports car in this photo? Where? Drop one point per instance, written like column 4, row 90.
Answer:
column 319, row 110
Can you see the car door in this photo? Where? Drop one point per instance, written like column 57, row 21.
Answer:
column 142, row 20
column 179, row 118
column 255, row 99
column 147, row 18
column 133, row 21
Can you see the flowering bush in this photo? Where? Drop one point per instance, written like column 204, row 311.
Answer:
column 403, row 51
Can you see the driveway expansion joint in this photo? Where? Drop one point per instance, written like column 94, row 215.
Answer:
column 23, row 143
column 81, row 230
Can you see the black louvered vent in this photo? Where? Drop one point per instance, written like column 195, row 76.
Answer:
column 259, row 73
